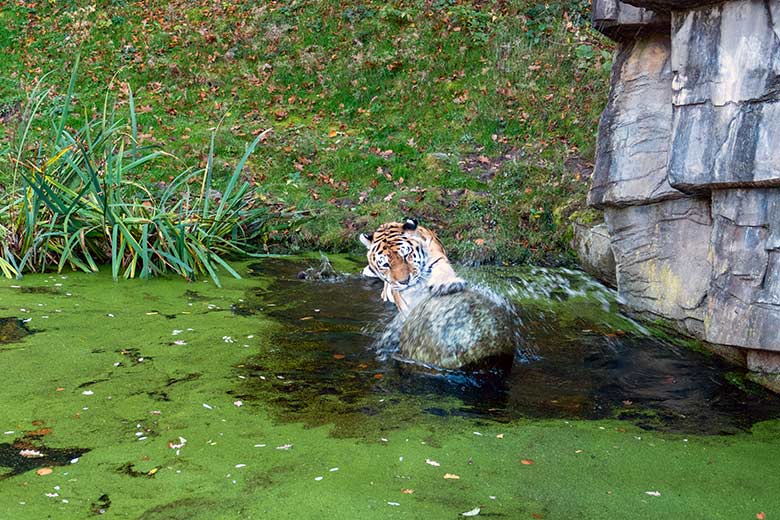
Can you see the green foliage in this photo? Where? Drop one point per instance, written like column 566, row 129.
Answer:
column 75, row 200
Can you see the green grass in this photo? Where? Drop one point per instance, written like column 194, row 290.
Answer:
column 364, row 100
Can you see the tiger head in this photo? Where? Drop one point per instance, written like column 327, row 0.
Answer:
column 411, row 262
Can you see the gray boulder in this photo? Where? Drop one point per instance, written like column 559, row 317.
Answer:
column 744, row 300
column 661, row 251
column 635, row 127
column 725, row 92
column 456, row 330
column 594, row 251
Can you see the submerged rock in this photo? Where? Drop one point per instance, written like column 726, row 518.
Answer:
column 455, row 330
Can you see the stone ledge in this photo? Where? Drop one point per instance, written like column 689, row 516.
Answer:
column 621, row 21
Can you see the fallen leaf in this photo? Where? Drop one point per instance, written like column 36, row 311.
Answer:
column 473, row 512
column 480, row 241
column 653, row 493
column 407, row 491
column 760, row 516
column 526, row 462
column 339, row 356
column 451, row 476
column 432, row 462
column 44, row 471
column 500, row 436
column 378, row 376
column 40, row 432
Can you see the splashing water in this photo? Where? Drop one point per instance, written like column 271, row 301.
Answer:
column 580, row 357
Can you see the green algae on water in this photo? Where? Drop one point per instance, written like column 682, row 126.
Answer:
column 190, row 409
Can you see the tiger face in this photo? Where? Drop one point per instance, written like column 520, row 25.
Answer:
column 396, row 254
column 411, row 262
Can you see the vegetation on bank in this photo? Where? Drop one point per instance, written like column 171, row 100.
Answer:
column 478, row 118
column 74, row 199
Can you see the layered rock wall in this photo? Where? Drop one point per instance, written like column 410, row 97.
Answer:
column 688, row 167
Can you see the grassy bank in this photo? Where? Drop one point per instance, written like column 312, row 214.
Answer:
column 477, row 118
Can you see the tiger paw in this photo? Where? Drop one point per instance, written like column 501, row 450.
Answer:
column 447, row 288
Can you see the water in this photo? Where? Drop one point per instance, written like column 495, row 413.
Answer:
column 581, row 358
column 267, row 399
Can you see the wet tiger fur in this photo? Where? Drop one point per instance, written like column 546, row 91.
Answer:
column 411, row 262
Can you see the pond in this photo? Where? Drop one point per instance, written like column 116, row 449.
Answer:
column 266, row 398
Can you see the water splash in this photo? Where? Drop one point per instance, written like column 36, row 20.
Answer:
column 581, row 359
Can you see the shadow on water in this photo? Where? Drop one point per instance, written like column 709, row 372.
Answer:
column 590, row 362
column 27, row 453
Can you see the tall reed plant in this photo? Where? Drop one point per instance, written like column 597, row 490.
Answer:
column 75, row 200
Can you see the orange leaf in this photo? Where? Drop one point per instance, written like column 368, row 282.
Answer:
column 339, row 356
column 39, row 432
column 44, row 471
column 378, row 376
column 761, row 516
column 407, row 491
column 526, row 462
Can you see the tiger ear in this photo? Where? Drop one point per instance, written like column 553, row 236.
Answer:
column 366, row 239
column 410, row 224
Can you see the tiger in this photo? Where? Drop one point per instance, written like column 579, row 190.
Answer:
column 412, row 263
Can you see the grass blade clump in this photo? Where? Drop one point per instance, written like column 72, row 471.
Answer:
column 74, row 201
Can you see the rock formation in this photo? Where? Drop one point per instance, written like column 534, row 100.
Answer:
column 465, row 329
column 688, row 167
